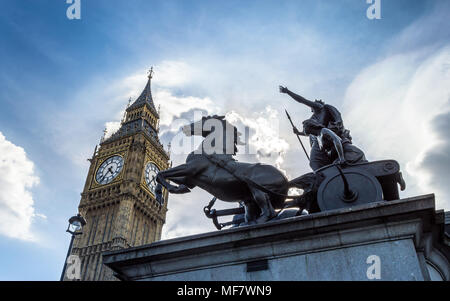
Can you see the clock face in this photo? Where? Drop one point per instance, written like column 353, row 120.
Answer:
column 109, row 170
column 151, row 170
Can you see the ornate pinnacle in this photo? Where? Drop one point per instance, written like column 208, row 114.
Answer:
column 104, row 135
column 150, row 73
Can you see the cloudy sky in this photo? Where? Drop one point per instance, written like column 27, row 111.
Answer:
column 63, row 81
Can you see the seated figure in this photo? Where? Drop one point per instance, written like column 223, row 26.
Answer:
column 320, row 127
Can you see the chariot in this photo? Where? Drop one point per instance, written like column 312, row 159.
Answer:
column 341, row 186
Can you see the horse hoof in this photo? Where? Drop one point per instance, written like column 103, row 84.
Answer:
column 180, row 189
column 183, row 189
column 247, row 223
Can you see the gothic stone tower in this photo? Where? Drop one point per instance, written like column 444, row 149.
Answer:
column 118, row 200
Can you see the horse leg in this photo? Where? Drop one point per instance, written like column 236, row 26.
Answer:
column 263, row 202
column 251, row 212
column 182, row 180
column 181, row 171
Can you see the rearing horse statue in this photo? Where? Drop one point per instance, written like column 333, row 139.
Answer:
column 262, row 188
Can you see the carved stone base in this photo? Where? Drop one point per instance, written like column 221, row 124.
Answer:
column 397, row 240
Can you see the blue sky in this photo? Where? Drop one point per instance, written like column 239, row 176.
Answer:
column 62, row 81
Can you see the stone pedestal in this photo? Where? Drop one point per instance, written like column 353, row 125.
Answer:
column 397, row 240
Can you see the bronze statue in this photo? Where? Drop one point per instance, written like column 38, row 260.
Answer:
column 330, row 141
column 261, row 188
column 341, row 177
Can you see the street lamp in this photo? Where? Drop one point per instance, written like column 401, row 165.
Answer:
column 76, row 224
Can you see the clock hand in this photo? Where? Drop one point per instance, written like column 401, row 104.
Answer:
column 101, row 180
column 109, row 171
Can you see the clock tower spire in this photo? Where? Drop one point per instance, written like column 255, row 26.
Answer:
column 118, row 200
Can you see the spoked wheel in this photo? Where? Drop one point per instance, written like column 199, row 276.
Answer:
column 348, row 188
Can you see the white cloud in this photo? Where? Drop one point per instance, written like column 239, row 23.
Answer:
column 173, row 106
column 111, row 127
column 17, row 177
column 390, row 106
column 264, row 140
column 174, row 74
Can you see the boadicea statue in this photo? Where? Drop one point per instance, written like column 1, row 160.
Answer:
column 341, row 177
column 326, row 125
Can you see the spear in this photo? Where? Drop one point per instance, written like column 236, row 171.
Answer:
column 298, row 137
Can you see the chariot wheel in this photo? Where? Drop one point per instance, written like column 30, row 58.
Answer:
column 348, row 188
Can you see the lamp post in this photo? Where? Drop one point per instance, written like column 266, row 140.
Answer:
column 76, row 224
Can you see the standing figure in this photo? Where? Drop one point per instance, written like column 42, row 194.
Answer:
column 326, row 117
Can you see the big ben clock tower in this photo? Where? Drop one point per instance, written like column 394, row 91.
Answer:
column 118, row 200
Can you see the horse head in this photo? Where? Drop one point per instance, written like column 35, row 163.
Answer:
column 217, row 129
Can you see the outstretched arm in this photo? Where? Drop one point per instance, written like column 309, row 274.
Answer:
column 301, row 99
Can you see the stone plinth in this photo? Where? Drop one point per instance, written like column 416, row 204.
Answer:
column 397, row 240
